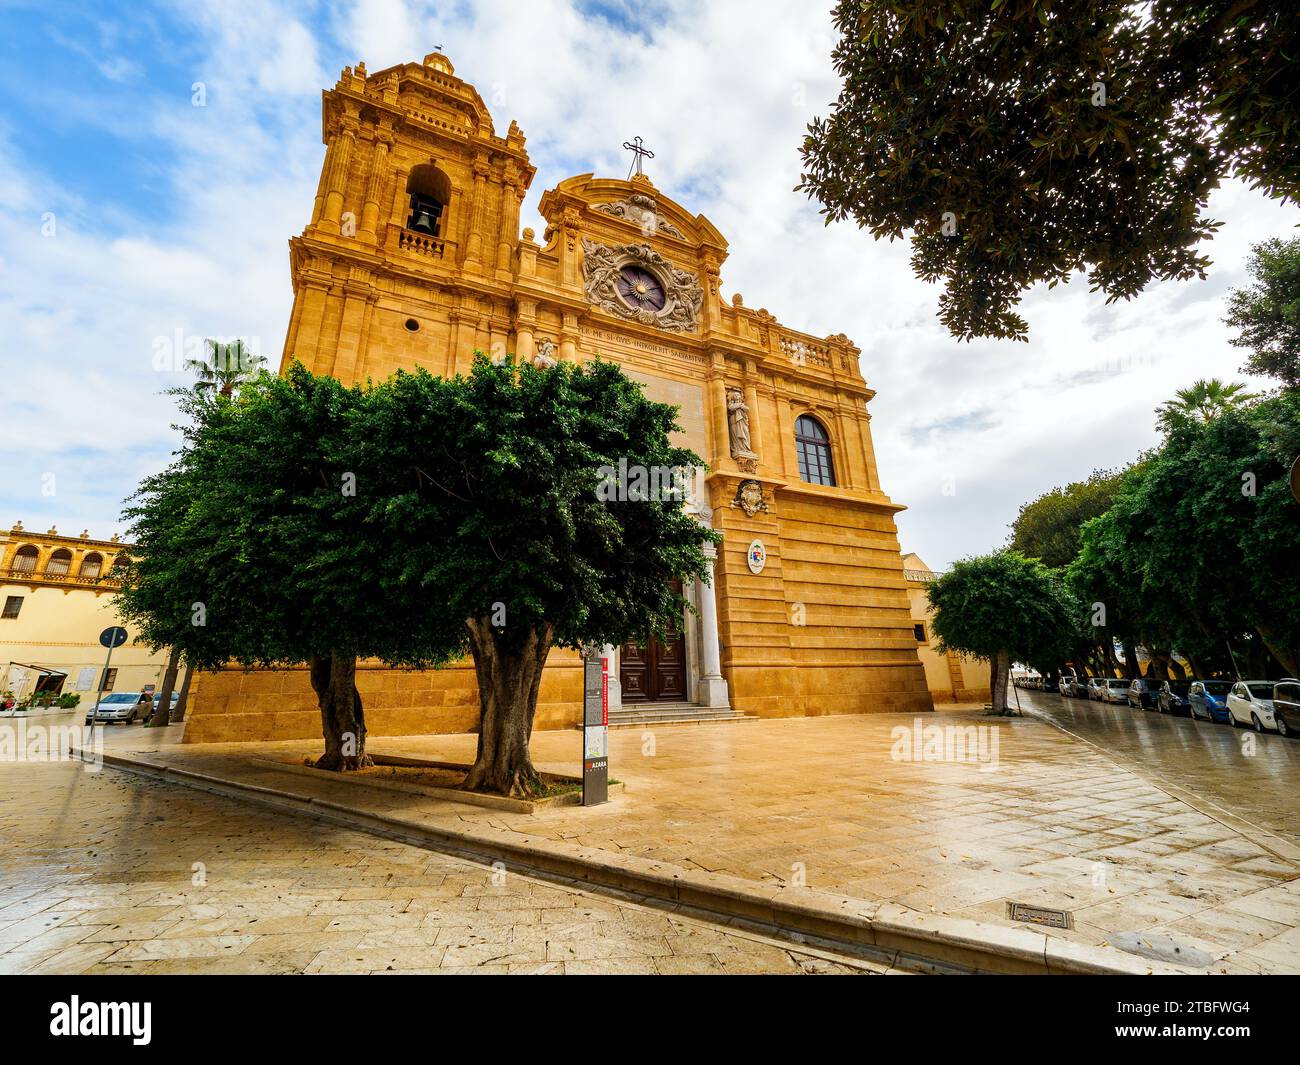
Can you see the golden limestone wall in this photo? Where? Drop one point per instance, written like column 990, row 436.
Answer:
column 825, row 628
column 261, row 704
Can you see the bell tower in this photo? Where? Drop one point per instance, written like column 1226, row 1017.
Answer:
column 412, row 247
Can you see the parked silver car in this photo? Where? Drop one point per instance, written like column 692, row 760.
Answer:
column 120, row 706
column 1115, row 691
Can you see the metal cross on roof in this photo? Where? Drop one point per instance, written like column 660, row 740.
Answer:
column 639, row 152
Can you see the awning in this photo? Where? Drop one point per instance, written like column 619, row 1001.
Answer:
column 44, row 671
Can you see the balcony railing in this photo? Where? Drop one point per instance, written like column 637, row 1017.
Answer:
column 25, row 573
column 415, row 243
column 804, row 351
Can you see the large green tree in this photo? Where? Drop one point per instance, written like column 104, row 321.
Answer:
column 1267, row 313
column 495, row 515
column 1047, row 528
column 503, row 494
column 252, row 546
column 1005, row 607
column 1201, row 548
column 1019, row 141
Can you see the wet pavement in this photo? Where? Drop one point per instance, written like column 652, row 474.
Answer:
column 109, row 873
column 1253, row 775
column 861, row 805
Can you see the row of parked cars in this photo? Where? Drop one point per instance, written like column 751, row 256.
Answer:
column 1264, row 705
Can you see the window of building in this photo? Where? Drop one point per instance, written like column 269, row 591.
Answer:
column 13, row 604
column 25, row 559
column 92, row 565
column 813, row 446
column 59, row 564
column 108, row 679
column 919, row 631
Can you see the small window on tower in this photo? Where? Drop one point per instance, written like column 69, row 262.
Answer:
column 918, row 631
column 13, row 604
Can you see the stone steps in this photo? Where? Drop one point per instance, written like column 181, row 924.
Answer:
column 637, row 716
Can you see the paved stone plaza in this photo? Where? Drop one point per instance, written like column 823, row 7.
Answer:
column 1178, row 837
column 98, row 875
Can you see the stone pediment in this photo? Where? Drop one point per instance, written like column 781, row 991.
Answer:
column 631, row 211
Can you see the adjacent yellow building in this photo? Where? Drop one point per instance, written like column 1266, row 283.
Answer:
column 413, row 257
column 56, row 597
column 952, row 678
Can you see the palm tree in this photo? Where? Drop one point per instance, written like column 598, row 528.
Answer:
column 224, row 366
column 1203, row 402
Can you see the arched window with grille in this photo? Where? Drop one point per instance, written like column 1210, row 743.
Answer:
column 813, row 445
column 59, row 564
column 25, row 559
column 92, row 565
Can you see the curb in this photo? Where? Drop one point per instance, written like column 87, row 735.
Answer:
column 801, row 914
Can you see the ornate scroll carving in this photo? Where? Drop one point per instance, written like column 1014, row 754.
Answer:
column 749, row 498
column 644, row 212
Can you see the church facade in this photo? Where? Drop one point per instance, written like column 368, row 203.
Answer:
column 414, row 257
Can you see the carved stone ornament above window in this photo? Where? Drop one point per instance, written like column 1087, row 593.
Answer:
column 674, row 305
column 644, row 212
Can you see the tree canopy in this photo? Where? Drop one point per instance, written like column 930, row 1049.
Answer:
column 1267, row 313
column 415, row 522
column 1203, row 401
column 1047, row 528
column 1020, row 141
column 1005, row 607
column 1199, row 551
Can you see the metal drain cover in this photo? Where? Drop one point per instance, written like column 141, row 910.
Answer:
column 1019, row 911
column 1161, row 948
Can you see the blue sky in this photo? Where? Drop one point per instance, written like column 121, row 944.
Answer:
column 133, row 223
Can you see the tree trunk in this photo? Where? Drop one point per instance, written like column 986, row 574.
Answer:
column 1288, row 659
column 1132, row 668
column 998, row 667
column 509, row 677
column 343, row 720
column 162, row 716
column 178, row 715
column 1176, row 670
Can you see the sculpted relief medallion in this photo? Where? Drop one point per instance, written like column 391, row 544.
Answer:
column 644, row 212
column 635, row 282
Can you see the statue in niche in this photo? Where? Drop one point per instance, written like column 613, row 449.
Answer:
column 738, row 423
column 545, row 357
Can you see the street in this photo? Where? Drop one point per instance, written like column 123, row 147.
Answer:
column 1255, row 776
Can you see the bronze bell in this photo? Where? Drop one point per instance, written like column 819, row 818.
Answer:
column 424, row 222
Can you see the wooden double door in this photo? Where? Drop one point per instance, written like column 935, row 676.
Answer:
column 655, row 673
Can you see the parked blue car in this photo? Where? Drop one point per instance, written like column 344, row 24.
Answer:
column 1209, row 699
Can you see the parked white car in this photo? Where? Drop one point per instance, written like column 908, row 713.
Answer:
column 1250, row 702
column 1115, row 691
column 1096, row 688
column 120, row 706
